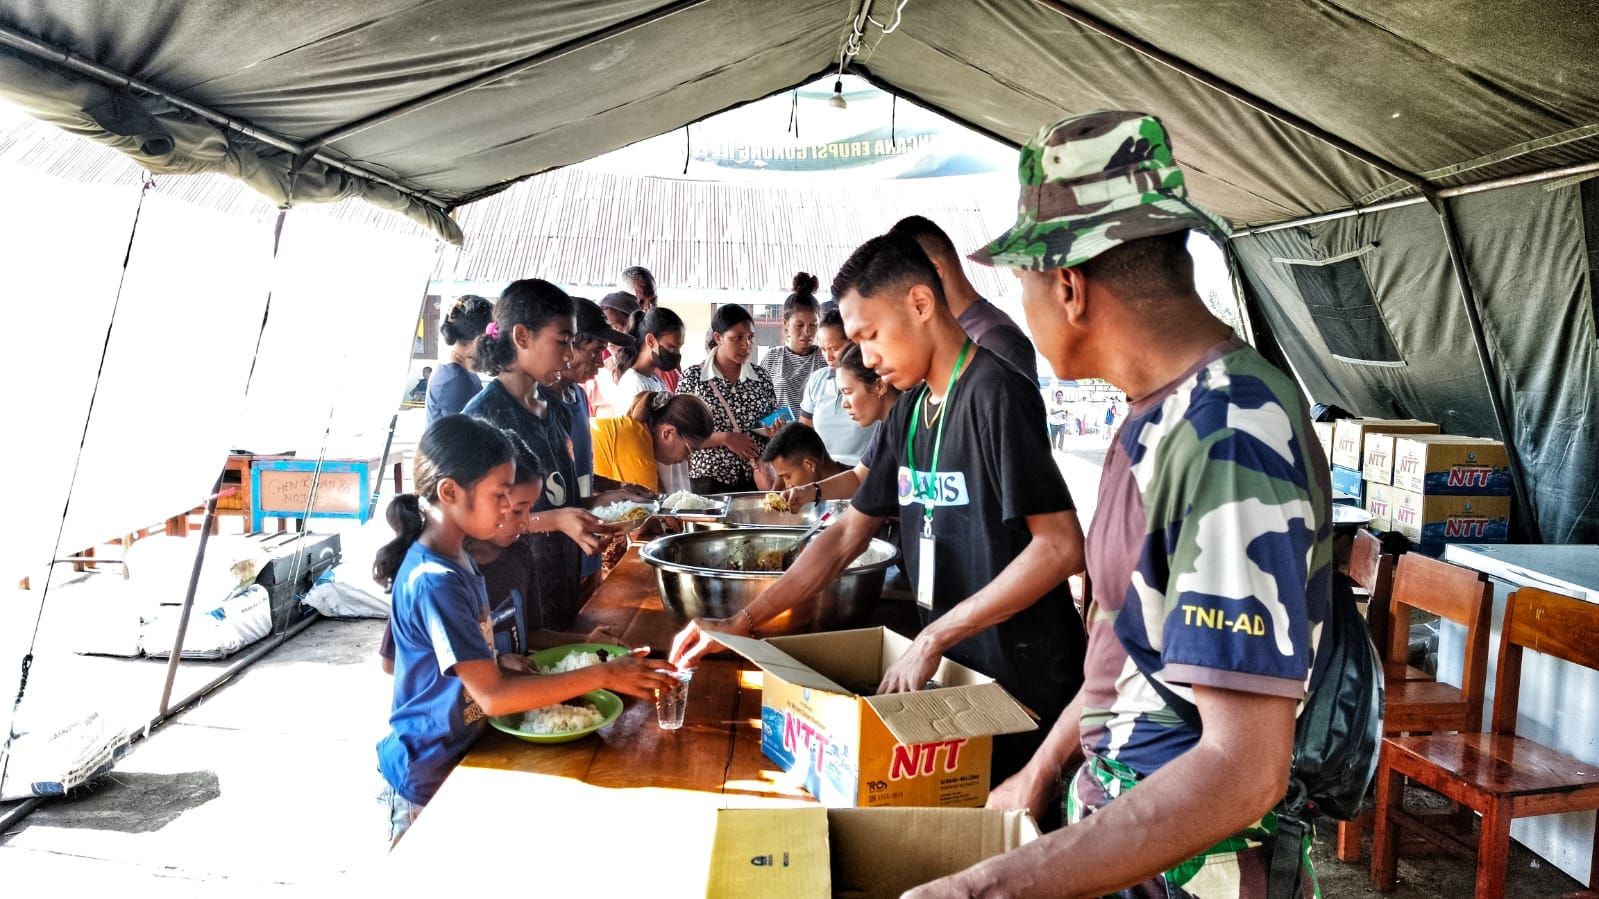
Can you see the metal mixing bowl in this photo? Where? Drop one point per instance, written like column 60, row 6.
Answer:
column 695, row 575
column 748, row 510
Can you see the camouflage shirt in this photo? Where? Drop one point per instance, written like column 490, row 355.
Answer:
column 1210, row 553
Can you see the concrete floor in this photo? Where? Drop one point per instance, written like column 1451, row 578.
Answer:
column 269, row 786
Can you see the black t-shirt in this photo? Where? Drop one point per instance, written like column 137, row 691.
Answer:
column 995, row 469
column 557, row 560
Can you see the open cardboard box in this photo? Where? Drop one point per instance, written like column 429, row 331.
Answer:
column 931, row 748
column 805, row 853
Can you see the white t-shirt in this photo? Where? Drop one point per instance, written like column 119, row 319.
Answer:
column 616, row 396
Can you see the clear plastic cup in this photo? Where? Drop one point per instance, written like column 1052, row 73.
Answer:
column 671, row 704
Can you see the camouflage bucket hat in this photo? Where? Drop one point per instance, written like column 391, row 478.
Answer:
column 1092, row 182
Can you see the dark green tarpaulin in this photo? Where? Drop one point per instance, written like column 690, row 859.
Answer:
column 1278, row 109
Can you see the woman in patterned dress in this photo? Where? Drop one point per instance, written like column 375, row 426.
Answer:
column 740, row 396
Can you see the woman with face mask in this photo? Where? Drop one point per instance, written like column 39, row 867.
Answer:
column 657, row 347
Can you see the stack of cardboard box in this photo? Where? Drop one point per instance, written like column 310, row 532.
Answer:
column 1352, row 439
column 1430, row 487
column 1450, row 489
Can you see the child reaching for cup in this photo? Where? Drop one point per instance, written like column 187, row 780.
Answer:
column 446, row 678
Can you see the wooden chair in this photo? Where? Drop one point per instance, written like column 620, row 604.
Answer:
column 1372, row 570
column 1414, row 702
column 1497, row 774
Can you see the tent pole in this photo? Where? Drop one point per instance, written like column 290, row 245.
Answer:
column 1468, row 298
column 499, row 73
column 48, row 53
column 188, row 598
column 1212, row 81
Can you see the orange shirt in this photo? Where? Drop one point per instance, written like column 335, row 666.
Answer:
column 624, row 451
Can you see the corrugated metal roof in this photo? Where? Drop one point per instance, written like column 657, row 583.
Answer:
column 579, row 227
column 574, row 226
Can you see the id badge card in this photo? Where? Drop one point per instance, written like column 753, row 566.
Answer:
column 924, row 570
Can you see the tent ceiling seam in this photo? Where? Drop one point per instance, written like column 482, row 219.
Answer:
column 483, row 193
column 500, row 72
column 1227, row 88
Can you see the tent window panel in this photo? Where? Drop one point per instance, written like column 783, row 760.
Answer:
column 1590, row 237
column 1345, row 311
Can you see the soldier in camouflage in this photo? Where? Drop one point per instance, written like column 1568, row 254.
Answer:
column 1209, row 551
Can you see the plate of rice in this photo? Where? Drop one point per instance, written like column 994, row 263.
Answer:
column 624, row 517
column 572, row 656
column 564, row 721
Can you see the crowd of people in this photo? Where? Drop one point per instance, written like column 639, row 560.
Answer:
column 917, row 399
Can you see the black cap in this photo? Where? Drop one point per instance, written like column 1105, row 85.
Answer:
column 621, row 301
column 591, row 324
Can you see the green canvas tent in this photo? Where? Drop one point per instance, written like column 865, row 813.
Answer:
column 1459, row 132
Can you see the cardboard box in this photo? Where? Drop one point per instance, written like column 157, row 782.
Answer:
column 1451, row 466
column 1431, row 520
column 1377, row 466
column 1348, row 486
column 930, row 748
column 816, row 853
column 1349, row 438
column 1380, row 503
column 1324, row 434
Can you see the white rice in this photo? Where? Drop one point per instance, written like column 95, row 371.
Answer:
column 560, row 719
column 573, row 662
column 684, row 501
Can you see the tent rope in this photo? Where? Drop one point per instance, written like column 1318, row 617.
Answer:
column 83, row 439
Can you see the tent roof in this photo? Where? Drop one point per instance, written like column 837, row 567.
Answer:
column 1454, row 91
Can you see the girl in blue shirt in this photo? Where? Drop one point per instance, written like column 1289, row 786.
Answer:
column 446, row 678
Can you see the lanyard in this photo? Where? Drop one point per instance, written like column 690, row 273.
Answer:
column 938, row 435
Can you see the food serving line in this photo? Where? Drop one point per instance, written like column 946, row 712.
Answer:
column 632, row 791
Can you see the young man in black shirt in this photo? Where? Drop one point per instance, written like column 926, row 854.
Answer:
column 988, row 529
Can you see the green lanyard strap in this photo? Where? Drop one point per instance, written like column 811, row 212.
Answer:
column 938, row 433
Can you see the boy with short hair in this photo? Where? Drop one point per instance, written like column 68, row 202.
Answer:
column 988, row 531
column 799, row 458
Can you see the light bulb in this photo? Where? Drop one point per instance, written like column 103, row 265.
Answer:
column 837, row 100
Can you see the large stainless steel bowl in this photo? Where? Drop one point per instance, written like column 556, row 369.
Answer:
column 748, row 510
column 696, row 577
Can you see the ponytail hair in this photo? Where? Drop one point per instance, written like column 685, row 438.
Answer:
column 531, row 303
column 466, row 320
column 803, row 299
column 684, row 411
column 458, row 447
column 659, row 321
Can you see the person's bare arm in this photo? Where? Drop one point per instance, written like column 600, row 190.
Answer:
column 818, row 565
column 1054, row 554
column 840, row 486
column 1237, row 773
column 499, row 692
column 1038, row 783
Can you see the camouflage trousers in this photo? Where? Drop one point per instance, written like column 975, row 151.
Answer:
column 1235, row 868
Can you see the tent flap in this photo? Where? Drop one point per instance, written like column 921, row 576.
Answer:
column 1525, row 250
column 167, row 140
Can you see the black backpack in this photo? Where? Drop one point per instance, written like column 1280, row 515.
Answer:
column 1336, row 738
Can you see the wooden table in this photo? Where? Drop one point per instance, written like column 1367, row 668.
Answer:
column 649, row 795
